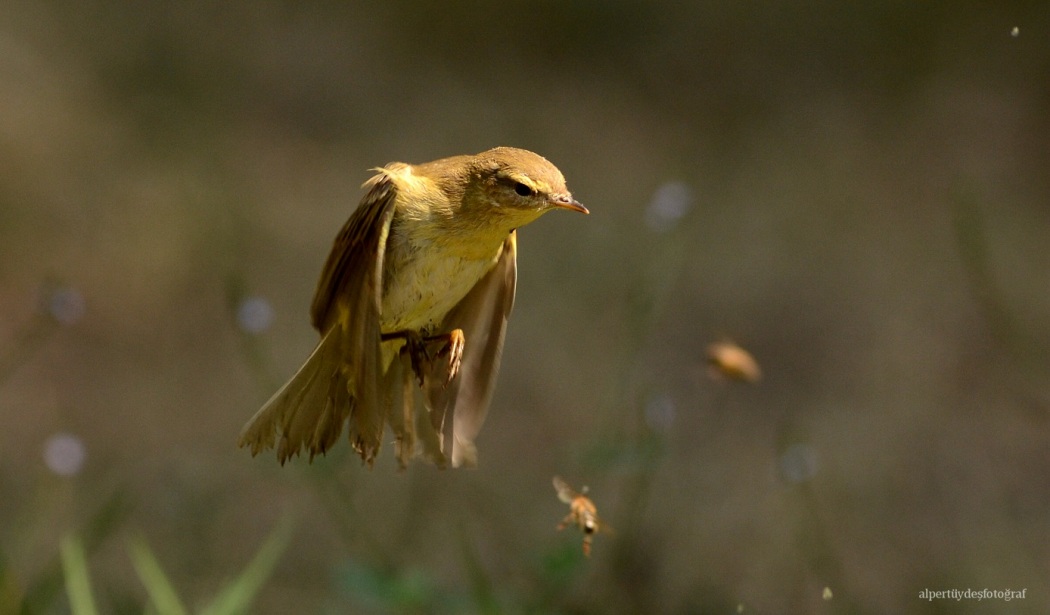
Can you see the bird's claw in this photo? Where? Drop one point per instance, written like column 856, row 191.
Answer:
column 422, row 360
column 454, row 348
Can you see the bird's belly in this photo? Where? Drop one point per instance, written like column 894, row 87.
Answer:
column 420, row 291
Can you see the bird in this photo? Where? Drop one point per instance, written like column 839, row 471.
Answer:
column 412, row 304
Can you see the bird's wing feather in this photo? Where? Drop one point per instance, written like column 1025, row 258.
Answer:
column 460, row 408
column 362, row 240
column 341, row 378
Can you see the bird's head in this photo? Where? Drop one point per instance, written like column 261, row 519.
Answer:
column 518, row 185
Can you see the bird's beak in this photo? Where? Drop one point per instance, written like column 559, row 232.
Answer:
column 565, row 201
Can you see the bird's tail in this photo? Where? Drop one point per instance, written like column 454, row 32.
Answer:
column 308, row 412
column 417, row 427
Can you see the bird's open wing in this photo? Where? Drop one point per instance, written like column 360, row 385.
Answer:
column 482, row 314
column 352, row 278
column 340, row 380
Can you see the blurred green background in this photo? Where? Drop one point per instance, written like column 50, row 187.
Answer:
column 858, row 193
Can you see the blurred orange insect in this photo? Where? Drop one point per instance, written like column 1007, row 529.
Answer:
column 582, row 512
column 728, row 360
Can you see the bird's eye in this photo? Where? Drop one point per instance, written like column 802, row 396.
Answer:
column 522, row 190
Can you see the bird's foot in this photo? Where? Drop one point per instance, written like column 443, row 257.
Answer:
column 453, row 347
column 420, row 356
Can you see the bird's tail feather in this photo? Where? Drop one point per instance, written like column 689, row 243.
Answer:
column 409, row 419
column 308, row 411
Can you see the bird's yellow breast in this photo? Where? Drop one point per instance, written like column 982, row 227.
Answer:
column 426, row 283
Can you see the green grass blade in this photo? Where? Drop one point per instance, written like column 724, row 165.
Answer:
column 78, row 585
column 238, row 595
column 44, row 590
column 160, row 590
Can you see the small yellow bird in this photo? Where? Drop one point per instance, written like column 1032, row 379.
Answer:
column 417, row 289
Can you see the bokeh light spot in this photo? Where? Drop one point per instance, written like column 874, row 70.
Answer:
column 670, row 203
column 254, row 315
column 64, row 454
column 799, row 463
column 660, row 412
column 66, row 305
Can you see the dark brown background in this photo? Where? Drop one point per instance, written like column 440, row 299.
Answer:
column 866, row 203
